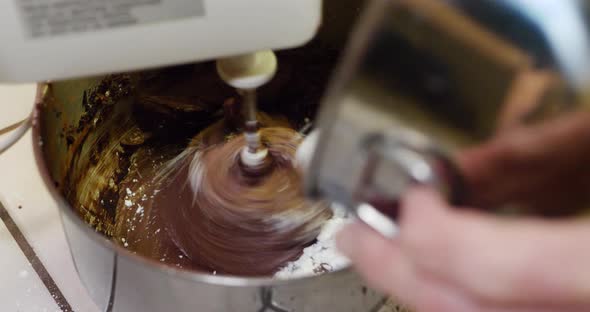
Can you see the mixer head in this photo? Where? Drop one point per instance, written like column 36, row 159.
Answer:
column 422, row 78
column 52, row 40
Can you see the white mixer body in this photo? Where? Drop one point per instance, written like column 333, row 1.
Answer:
column 60, row 39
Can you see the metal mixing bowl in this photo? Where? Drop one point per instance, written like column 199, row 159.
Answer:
column 89, row 132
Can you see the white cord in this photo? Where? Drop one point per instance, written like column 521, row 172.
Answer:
column 11, row 134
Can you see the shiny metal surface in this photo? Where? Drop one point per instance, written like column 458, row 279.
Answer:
column 429, row 77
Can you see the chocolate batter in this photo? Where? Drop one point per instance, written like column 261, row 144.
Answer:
column 233, row 221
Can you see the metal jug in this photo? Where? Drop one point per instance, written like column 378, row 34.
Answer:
column 421, row 79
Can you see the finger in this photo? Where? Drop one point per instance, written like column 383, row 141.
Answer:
column 544, row 187
column 376, row 258
column 497, row 261
column 560, row 139
column 539, row 192
column 510, row 162
column 385, row 268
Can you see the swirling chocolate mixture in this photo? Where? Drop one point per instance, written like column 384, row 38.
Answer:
column 226, row 219
column 152, row 121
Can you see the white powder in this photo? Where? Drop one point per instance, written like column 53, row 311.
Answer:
column 322, row 256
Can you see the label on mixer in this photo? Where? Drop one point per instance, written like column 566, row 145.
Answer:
column 50, row 18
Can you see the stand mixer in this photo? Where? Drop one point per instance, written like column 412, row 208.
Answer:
column 49, row 22
column 381, row 127
column 202, row 31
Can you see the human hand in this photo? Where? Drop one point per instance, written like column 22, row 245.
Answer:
column 448, row 259
column 544, row 169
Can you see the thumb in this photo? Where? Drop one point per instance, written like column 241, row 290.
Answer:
column 372, row 254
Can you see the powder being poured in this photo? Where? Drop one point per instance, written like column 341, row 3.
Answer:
column 322, row 256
